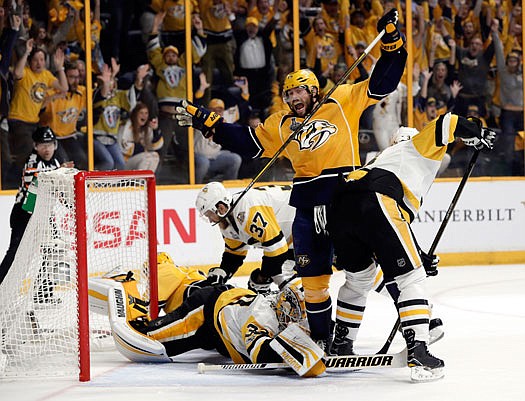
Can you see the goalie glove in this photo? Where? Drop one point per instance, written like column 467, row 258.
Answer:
column 299, row 351
column 198, row 117
column 485, row 141
column 393, row 39
column 430, row 263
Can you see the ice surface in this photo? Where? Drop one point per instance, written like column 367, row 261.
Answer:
column 483, row 312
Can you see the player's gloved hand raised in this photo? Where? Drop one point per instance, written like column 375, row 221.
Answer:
column 393, row 39
column 198, row 117
column 485, row 141
column 430, row 263
column 216, row 276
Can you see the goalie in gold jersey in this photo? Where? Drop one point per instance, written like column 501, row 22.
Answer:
column 369, row 220
column 263, row 219
column 324, row 148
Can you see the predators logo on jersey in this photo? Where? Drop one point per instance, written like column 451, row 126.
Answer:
column 315, row 134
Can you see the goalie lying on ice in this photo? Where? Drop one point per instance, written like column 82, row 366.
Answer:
column 238, row 323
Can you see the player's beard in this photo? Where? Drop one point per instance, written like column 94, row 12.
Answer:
column 308, row 107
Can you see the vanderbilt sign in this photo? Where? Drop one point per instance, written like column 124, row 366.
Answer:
column 467, row 215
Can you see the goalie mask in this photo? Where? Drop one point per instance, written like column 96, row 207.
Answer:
column 290, row 306
column 209, row 198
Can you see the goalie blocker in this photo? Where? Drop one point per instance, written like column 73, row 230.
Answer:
column 299, row 351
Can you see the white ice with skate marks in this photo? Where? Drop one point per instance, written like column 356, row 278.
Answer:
column 484, row 320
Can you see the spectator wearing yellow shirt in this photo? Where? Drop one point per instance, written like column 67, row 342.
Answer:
column 96, row 28
column 319, row 37
column 108, row 104
column 362, row 29
column 336, row 15
column 217, row 17
column 170, row 69
column 62, row 113
column 173, row 25
column 32, row 82
column 425, row 111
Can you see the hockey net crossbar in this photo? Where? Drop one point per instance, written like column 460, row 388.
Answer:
column 85, row 224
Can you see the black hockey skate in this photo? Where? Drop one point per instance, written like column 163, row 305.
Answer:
column 325, row 345
column 342, row 345
column 424, row 366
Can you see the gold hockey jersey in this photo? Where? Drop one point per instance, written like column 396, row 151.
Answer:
column 62, row 114
column 327, row 145
column 173, row 283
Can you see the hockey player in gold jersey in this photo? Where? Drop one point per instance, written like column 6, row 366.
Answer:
column 326, row 146
column 263, row 219
column 370, row 221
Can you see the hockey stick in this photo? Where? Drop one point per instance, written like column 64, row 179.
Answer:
column 434, row 245
column 279, row 151
column 337, row 363
column 452, row 205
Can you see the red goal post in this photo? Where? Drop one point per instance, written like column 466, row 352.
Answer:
column 82, row 180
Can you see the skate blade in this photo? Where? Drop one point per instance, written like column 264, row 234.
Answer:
column 421, row 374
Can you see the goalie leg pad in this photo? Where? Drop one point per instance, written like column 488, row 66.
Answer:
column 98, row 290
column 299, row 351
column 135, row 346
column 100, row 287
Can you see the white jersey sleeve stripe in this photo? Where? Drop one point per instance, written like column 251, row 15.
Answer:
column 445, row 129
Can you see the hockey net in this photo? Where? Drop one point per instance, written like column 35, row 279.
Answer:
column 85, row 224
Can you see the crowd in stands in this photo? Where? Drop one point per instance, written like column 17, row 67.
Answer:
column 467, row 59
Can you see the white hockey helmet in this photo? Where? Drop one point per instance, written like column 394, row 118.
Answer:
column 210, row 196
column 403, row 134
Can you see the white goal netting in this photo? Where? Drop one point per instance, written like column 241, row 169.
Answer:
column 104, row 223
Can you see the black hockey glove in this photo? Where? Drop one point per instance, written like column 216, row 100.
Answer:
column 258, row 283
column 216, row 276
column 430, row 263
column 486, row 140
column 198, row 117
column 393, row 39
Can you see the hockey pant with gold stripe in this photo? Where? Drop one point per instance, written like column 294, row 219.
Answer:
column 369, row 226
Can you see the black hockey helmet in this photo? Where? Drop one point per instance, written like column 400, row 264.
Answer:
column 44, row 134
